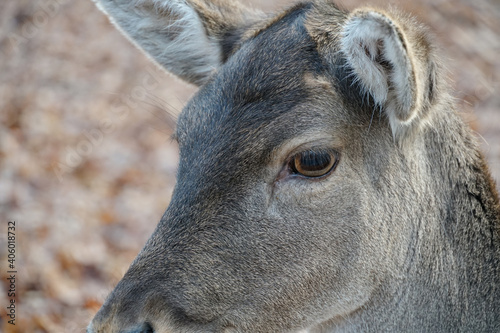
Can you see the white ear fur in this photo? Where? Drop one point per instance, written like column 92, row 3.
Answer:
column 376, row 49
column 170, row 32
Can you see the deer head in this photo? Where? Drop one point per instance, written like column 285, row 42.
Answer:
column 321, row 178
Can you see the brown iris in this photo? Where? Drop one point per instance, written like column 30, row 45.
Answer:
column 313, row 163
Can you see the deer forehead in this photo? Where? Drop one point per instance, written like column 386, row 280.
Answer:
column 272, row 89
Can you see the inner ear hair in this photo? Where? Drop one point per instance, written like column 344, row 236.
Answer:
column 385, row 66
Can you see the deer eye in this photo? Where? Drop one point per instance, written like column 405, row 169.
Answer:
column 313, row 163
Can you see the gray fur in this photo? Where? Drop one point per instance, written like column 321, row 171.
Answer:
column 402, row 236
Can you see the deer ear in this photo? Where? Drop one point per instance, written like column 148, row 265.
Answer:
column 189, row 38
column 384, row 62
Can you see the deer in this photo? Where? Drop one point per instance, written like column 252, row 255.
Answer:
column 326, row 181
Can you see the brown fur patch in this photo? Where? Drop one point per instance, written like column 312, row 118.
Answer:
column 264, row 25
column 320, row 82
column 324, row 22
column 219, row 16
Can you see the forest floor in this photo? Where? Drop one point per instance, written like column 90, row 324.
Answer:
column 84, row 199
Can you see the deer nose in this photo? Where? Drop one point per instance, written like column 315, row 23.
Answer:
column 141, row 328
column 144, row 328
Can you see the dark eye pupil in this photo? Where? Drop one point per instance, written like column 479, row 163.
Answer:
column 313, row 163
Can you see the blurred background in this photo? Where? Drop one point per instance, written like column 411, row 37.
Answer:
column 86, row 163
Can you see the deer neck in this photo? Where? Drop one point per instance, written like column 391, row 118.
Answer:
column 448, row 263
